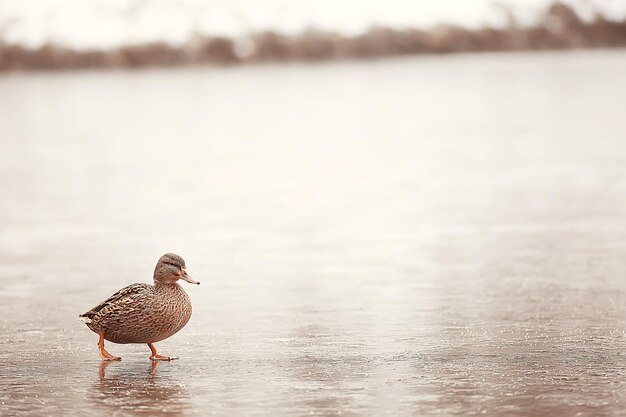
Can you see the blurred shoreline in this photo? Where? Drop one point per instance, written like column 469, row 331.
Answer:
column 559, row 28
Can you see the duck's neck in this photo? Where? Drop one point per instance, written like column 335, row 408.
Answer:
column 165, row 286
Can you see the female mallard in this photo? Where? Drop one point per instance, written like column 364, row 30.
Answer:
column 142, row 313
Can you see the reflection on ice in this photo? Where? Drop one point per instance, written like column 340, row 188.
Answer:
column 137, row 389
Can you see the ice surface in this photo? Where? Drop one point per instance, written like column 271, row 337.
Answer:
column 432, row 236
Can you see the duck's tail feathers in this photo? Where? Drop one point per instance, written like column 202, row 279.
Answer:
column 84, row 319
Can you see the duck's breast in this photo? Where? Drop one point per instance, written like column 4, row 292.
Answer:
column 174, row 313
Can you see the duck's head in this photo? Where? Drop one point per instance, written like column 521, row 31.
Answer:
column 170, row 269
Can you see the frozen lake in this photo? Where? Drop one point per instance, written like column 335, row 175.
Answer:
column 424, row 236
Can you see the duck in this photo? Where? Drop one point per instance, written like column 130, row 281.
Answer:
column 143, row 313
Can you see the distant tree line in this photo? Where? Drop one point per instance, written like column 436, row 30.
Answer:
column 559, row 28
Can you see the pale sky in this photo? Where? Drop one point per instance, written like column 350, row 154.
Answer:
column 109, row 23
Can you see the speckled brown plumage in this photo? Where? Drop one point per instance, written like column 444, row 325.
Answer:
column 142, row 313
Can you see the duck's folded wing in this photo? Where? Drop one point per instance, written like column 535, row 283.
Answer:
column 120, row 296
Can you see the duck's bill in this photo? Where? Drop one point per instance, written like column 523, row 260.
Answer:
column 189, row 279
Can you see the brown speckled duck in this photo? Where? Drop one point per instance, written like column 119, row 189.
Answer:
column 142, row 313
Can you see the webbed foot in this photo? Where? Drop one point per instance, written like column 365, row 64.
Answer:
column 162, row 358
column 156, row 357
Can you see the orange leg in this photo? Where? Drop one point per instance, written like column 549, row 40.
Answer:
column 106, row 356
column 156, row 357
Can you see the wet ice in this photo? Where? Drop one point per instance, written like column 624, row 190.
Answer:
column 411, row 237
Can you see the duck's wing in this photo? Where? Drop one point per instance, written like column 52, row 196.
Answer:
column 126, row 294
